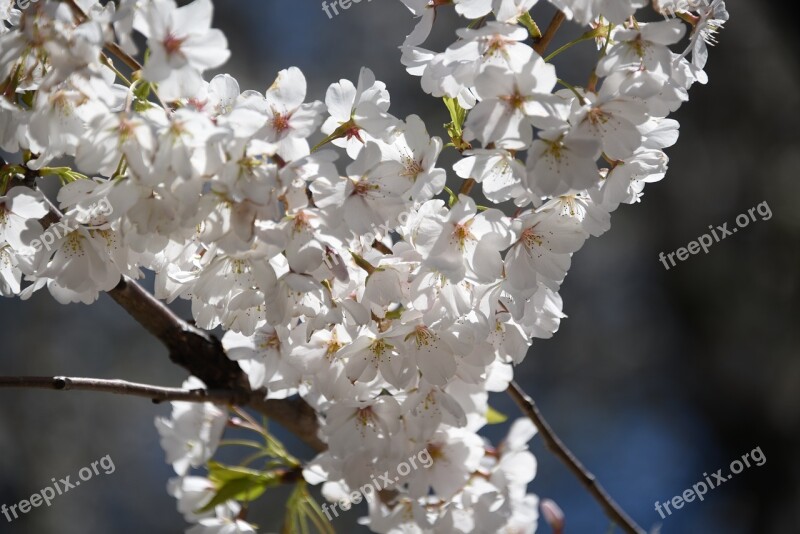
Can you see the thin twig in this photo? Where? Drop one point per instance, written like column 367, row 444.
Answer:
column 121, row 387
column 611, row 508
column 542, row 44
column 289, row 412
column 114, row 48
column 76, row 10
column 132, row 64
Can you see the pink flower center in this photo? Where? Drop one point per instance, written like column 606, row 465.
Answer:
column 172, row 44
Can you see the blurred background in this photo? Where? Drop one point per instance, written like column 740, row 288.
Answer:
column 655, row 378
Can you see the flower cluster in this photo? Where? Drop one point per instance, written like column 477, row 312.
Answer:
column 392, row 305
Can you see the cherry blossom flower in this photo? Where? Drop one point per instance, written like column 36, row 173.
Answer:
column 290, row 122
column 182, row 45
column 358, row 113
column 192, row 433
column 507, row 101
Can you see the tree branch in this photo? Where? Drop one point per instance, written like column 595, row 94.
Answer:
column 610, row 507
column 202, row 355
column 194, row 349
column 121, row 387
column 542, row 44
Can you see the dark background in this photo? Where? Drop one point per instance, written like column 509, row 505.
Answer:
column 655, row 378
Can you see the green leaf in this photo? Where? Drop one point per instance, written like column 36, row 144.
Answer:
column 237, row 483
column 218, row 472
column 493, row 417
column 239, row 489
